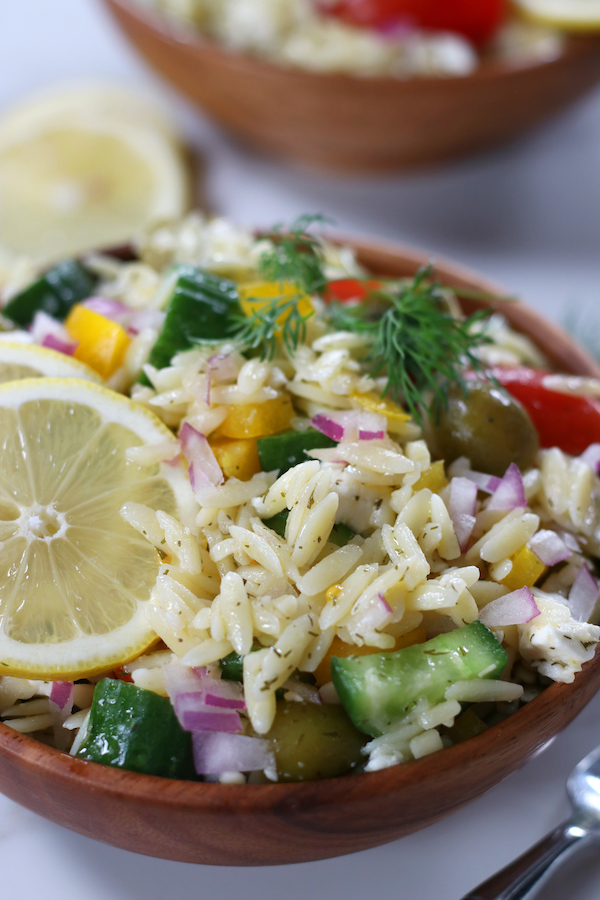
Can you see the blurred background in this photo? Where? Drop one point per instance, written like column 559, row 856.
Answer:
column 527, row 215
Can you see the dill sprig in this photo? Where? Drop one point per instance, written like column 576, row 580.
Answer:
column 416, row 342
column 271, row 320
column 295, row 255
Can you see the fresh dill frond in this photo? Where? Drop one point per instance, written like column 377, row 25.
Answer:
column 271, row 320
column 295, row 255
column 416, row 343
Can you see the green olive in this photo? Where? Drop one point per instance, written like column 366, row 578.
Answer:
column 488, row 426
column 313, row 742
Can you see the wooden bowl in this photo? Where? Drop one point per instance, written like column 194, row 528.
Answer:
column 290, row 823
column 342, row 122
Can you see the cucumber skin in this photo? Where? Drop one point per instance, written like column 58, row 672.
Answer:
column 201, row 309
column 134, row 729
column 399, row 679
column 286, row 450
column 55, row 293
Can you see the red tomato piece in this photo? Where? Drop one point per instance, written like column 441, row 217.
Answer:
column 566, row 421
column 477, row 20
column 345, row 290
column 121, row 675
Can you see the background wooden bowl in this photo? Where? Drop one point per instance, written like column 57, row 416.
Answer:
column 289, row 823
column 341, row 122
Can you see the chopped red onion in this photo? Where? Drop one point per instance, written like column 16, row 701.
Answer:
column 549, row 548
column 516, row 608
column 351, row 425
column 328, row 427
column 54, row 343
column 203, row 466
column 223, row 702
column 378, row 614
column 462, row 508
column 203, row 702
column 194, row 715
column 486, row 483
column 61, row 706
column 510, row 493
column 591, row 457
column 110, row 309
column 61, row 694
column 44, row 325
column 583, row 595
column 223, row 366
column 146, row 318
column 215, row 753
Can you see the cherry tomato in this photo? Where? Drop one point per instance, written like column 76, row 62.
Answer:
column 345, row 290
column 566, row 421
column 477, row 20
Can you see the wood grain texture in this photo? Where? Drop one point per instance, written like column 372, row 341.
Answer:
column 346, row 123
column 289, row 823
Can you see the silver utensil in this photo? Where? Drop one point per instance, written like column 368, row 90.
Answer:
column 522, row 878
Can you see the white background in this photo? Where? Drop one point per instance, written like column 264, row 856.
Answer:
column 528, row 216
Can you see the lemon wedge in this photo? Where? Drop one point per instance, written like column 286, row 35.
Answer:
column 19, row 361
column 85, row 169
column 572, row 15
column 74, row 576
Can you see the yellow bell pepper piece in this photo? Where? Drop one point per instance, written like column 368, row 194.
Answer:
column 382, row 405
column 433, row 478
column 238, row 459
column 254, row 420
column 339, row 648
column 255, row 296
column 527, row 569
column 101, row 343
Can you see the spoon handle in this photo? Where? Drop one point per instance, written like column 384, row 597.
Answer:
column 521, row 878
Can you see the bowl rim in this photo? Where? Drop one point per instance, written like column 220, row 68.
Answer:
column 488, row 69
column 204, row 796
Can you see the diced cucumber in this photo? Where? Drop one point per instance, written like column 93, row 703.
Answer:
column 285, row 450
column 340, row 534
column 232, row 667
column 380, row 690
column 137, row 730
column 200, row 309
column 278, row 522
column 55, row 293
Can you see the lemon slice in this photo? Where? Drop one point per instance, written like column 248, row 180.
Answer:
column 83, row 170
column 19, row 361
column 572, row 15
column 74, row 576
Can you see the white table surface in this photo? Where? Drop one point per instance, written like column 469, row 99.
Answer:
column 528, row 216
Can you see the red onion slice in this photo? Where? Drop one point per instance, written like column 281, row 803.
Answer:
column 224, row 367
column 583, row 595
column 44, row 326
column 110, row 309
column 194, row 715
column 486, row 483
column 54, row 343
column 549, row 547
column 218, row 753
column 351, row 425
column 203, row 466
column 516, row 608
column 591, row 457
column 462, row 508
column 61, row 706
column 61, row 695
column 510, row 493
